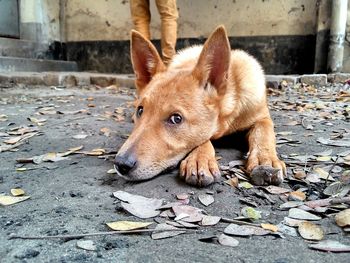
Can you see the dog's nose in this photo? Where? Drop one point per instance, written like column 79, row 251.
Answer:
column 124, row 163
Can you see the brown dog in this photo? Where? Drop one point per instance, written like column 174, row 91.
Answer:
column 205, row 93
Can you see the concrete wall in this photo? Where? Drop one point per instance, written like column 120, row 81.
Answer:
column 40, row 20
column 110, row 19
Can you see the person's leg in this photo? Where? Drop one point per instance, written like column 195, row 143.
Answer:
column 168, row 14
column 141, row 16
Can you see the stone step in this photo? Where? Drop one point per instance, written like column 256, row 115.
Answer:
column 10, row 64
column 66, row 79
column 22, row 48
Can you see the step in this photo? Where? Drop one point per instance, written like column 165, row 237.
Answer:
column 66, row 79
column 10, row 64
column 22, row 48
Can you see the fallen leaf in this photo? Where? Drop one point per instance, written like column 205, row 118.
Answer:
column 206, row 199
column 270, row 227
column 210, row 220
column 21, row 169
column 276, row 190
column 194, row 214
column 112, row 171
column 341, row 143
column 226, row 240
column 3, row 117
column 79, row 136
column 87, row 245
column 128, row 225
column 299, row 175
column 310, row 231
column 323, row 158
column 297, row 196
column 297, row 213
column 313, row 178
column 290, row 204
column 95, row 152
column 290, row 231
column 330, row 246
column 292, row 222
column 105, row 131
column 17, row 192
column 13, row 140
column 245, row 185
column 343, row 218
column 165, row 231
column 251, row 213
column 242, row 230
column 10, row 200
column 182, row 196
column 232, row 182
column 139, row 206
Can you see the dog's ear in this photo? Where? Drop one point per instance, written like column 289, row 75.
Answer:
column 214, row 60
column 145, row 59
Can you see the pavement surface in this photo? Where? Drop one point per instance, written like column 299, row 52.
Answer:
column 74, row 195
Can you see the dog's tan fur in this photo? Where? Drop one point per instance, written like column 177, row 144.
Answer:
column 216, row 91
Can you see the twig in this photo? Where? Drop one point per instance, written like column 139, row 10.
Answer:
column 330, row 170
column 76, row 236
column 238, row 222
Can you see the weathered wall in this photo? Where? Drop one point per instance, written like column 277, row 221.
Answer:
column 110, row 19
column 40, row 20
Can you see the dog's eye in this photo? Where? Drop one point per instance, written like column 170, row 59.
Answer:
column 139, row 111
column 175, row 119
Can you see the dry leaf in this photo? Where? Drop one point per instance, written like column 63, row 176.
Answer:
column 297, row 196
column 226, row 240
column 17, row 192
column 232, row 182
column 193, row 214
column 343, row 218
column 276, row 190
column 80, row 136
column 297, row 213
column 210, row 220
column 292, row 222
column 10, row 200
column 290, row 204
column 128, row 225
column 105, row 131
column 182, row 196
column 270, row 227
column 13, row 140
column 206, row 199
column 245, row 185
column 165, row 231
column 310, row 231
column 331, row 246
column 251, row 213
column 87, row 245
column 139, row 206
column 241, row 230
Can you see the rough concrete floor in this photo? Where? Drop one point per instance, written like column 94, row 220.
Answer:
column 75, row 195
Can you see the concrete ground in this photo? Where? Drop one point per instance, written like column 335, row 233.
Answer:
column 75, row 195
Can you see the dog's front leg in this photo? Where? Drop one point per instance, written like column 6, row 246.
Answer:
column 262, row 154
column 200, row 166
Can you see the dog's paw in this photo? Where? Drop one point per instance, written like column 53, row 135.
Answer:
column 199, row 169
column 266, row 171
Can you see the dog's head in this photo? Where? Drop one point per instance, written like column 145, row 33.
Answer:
column 176, row 109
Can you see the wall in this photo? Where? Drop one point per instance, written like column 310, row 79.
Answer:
column 40, row 20
column 110, row 19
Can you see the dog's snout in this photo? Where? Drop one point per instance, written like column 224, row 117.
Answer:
column 124, row 163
